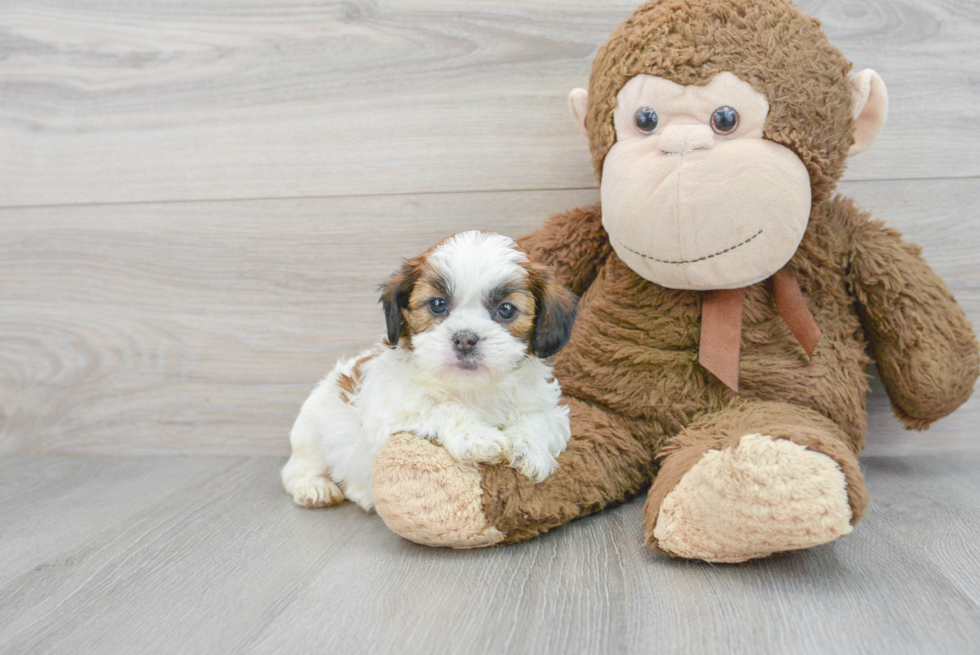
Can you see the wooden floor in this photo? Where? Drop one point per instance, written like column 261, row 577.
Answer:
column 199, row 555
column 197, row 201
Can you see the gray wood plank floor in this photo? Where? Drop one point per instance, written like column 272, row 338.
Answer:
column 182, row 555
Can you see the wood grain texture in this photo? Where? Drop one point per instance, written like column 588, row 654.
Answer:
column 178, row 555
column 162, row 100
column 200, row 328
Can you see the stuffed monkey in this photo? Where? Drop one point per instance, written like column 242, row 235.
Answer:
column 728, row 300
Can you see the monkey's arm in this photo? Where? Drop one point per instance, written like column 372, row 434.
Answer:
column 573, row 243
column 923, row 344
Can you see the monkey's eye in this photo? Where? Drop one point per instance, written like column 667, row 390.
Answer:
column 506, row 311
column 438, row 306
column 724, row 120
column 646, row 120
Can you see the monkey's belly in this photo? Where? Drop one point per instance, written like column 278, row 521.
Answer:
column 634, row 349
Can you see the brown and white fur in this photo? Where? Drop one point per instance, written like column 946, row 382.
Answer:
column 471, row 323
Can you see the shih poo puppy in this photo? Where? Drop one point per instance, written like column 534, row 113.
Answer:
column 471, row 323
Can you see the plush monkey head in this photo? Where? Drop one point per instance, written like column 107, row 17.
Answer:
column 715, row 126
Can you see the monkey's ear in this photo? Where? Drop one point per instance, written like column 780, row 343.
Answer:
column 394, row 298
column 554, row 315
column 578, row 104
column 870, row 109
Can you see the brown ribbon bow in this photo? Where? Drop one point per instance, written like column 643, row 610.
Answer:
column 721, row 324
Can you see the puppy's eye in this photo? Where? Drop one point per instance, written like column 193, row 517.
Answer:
column 438, row 306
column 506, row 311
column 646, row 120
column 724, row 120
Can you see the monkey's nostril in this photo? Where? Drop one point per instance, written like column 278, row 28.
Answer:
column 465, row 341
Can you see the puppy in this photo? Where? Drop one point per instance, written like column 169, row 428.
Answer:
column 470, row 325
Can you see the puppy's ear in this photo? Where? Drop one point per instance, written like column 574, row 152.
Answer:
column 554, row 315
column 394, row 298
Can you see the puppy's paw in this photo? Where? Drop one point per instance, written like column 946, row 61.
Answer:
column 534, row 463
column 316, row 491
column 479, row 443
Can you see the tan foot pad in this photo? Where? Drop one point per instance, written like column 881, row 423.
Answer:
column 762, row 497
column 426, row 496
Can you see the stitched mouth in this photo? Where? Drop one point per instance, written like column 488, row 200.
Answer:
column 690, row 261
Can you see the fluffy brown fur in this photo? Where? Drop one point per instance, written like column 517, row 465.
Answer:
column 554, row 310
column 397, row 294
column 638, row 397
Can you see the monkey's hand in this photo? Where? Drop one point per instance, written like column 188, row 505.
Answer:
column 574, row 244
column 923, row 344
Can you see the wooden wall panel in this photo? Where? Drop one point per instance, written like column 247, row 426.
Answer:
column 161, row 100
column 200, row 327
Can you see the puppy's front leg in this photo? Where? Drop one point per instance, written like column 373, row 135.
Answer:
column 538, row 439
column 465, row 436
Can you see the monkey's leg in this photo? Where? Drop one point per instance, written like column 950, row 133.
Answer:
column 754, row 479
column 426, row 496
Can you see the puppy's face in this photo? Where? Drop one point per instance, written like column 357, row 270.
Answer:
column 474, row 306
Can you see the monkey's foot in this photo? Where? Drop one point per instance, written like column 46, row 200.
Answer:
column 426, row 496
column 752, row 499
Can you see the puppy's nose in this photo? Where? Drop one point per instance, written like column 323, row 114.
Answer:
column 465, row 341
